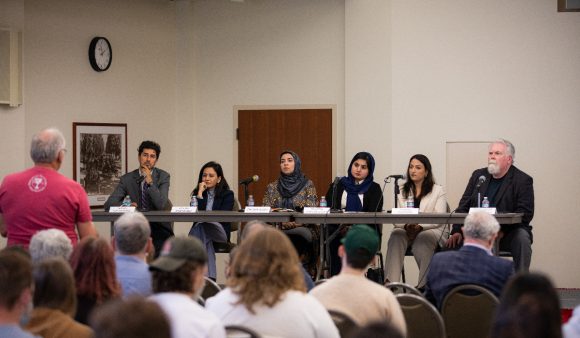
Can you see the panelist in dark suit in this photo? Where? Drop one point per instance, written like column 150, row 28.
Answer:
column 212, row 193
column 148, row 188
column 508, row 189
column 356, row 192
column 474, row 263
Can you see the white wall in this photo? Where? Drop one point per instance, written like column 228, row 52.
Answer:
column 406, row 76
column 60, row 87
column 481, row 70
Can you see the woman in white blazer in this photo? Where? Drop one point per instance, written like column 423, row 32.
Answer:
column 423, row 238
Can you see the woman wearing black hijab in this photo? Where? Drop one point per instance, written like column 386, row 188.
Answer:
column 292, row 190
column 355, row 192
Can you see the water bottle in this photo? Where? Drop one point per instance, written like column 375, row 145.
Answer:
column 193, row 202
column 323, row 202
column 250, row 201
column 410, row 203
column 126, row 201
column 485, row 203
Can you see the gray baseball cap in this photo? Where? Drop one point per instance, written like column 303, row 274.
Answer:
column 178, row 250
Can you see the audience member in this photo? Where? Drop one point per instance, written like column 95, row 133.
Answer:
column 266, row 291
column 508, row 189
column 55, row 301
column 422, row 238
column 51, row 200
column 377, row 330
column 178, row 279
column 50, row 243
column 212, row 193
column 474, row 263
column 254, row 226
column 351, row 293
column 529, row 308
column 134, row 317
column 133, row 243
column 16, row 286
column 93, row 265
column 148, row 188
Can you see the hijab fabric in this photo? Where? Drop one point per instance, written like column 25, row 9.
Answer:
column 290, row 185
column 352, row 189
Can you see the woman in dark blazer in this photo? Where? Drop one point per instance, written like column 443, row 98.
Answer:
column 355, row 192
column 212, row 193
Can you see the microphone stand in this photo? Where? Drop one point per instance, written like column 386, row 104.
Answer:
column 245, row 185
column 397, row 191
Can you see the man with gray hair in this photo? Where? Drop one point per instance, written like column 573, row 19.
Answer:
column 474, row 263
column 41, row 198
column 132, row 243
column 50, row 243
column 508, row 189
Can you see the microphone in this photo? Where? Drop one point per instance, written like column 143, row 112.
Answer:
column 396, row 177
column 333, row 202
column 480, row 181
column 250, row 179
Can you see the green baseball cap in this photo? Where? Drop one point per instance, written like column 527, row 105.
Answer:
column 361, row 236
column 178, row 250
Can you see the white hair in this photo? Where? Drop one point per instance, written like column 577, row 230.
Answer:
column 480, row 225
column 46, row 144
column 510, row 149
column 132, row 232
column 50, row 243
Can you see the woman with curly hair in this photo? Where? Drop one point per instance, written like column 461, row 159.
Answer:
column 266, row 291
column 93, row 264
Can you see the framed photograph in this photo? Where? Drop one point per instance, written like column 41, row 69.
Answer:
column 99, row 158
column 568, row 5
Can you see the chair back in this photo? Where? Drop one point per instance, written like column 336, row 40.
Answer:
column 468, row 311
column 211, row 288
column 345, row 324
column 240, row 331
column 421, row 317
column 403, row 288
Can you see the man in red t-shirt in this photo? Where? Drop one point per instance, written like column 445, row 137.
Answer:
column 40, row 198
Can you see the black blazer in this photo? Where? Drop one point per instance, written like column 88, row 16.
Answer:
column 516, row 194
column 372, row 199
column 225, row 201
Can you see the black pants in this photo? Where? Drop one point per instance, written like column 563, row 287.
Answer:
column 160, row 232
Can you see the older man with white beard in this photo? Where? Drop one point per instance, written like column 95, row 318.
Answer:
column 508, row 189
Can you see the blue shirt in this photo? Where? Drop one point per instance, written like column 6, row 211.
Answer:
column 134, row 275
column 14, row 331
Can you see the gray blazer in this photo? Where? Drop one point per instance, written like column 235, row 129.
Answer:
column 130, row 184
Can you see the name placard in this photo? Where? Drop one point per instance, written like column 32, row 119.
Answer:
column 405, row 211
column 183, row 209
column 491, row 211
column 316, row 210
column 257, row 210
column 121, row 209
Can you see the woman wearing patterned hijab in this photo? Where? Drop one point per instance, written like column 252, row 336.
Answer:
column 292, row 190
column 355, row 192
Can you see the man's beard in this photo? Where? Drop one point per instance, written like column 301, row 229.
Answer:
column 492, row 168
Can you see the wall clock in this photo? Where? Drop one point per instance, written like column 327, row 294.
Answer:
column 100, row 54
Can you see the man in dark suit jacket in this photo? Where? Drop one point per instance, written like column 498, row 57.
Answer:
column 472, row 264
column 508, row 189
column 148, row 188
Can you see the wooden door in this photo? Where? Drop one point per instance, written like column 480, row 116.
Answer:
column 264, row 134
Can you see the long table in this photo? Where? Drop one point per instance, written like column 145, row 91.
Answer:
column 329, row 218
